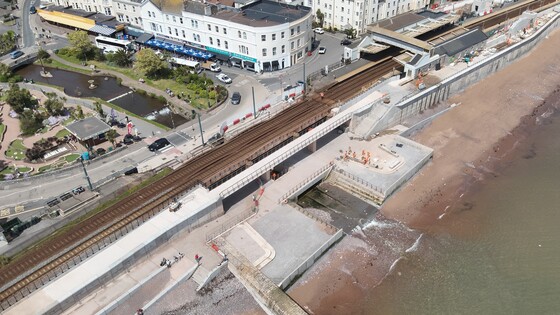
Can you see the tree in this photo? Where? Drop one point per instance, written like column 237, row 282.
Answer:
column 111, row 135
column 351, row 32
column 42, row 54
column 320, row 17
column 7, row 42
column 122, row 58
column 80, row 43
column 99, row 109
column 150, row 63
column 19, row 99
column 54, row 104
column 30, row 122
column 79, row 113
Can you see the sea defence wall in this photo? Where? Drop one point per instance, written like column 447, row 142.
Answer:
column 66, row 290
column 458, row 82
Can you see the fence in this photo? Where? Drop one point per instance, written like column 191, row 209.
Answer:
column 360, row 181
column 319, row 73
column 304, row 182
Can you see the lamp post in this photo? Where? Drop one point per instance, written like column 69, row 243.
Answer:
column 86, row 173
column 171, row 115
column 201, row 131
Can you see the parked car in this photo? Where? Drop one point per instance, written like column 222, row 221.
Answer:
column 322, row 50
column 215, row 68
column 100, row 151
column 158, row 144
column 224, row 78
column 16, row 54
column 236, row 98
column 345, row 42
column 319, row 30
column 128, row 139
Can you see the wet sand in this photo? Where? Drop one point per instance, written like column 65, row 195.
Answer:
column 471, row 143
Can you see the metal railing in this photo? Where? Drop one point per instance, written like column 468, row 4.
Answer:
column 304, row 182
column 230, row 223
column 360, row 181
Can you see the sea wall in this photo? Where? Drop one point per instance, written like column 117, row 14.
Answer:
column 458, row 82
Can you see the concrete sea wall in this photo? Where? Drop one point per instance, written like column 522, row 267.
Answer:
column 460, row 81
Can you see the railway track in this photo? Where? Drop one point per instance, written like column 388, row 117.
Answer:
column 208, row 169
column 30, row 270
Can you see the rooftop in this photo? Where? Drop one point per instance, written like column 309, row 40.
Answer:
column 170, row 6
column 264, row 13
column 461, row 42
column 88, row 128
column 400, row 21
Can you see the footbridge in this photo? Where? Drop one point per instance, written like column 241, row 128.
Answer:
column 399, row 40
column 307, row 140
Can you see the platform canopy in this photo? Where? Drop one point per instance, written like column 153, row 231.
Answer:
column 179, row 49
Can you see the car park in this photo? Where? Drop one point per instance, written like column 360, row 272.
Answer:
column 345, row 42
column 235, row 98
column 215, row 67
column 158, row 144
column 319, row 30
column 16, row 54
column 224, row 78
column 322, row 50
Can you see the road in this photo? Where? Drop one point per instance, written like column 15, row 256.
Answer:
column 27, row 33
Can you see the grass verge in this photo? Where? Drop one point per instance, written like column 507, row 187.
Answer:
column 16, row 150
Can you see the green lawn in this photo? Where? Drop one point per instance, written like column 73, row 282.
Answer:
column 62, row 133
column 16, row 150
column 44, row 168
column 58, row 65
column 134, row 74
column 71, row 157
column 10, row 170
column 2, row 129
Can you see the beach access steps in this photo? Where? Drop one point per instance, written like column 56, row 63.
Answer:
column 368, row 123
column 357, row 187
column 269, row 296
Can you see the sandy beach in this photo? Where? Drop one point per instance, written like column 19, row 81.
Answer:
column 471, row 143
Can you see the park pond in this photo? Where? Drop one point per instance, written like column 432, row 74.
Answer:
column 108, row 89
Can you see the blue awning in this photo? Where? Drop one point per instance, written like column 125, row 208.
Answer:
column 179, row 49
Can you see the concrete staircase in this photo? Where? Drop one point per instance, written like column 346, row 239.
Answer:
column 363, row 191
column 365, row 127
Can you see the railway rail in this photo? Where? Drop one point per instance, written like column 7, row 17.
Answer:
column 36, row 267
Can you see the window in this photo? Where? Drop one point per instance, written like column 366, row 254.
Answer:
column 244, row 35
column 209, row 27
column 298, row 29
column 124, row 7
column 282, row 35
column 176, row 32
column 292, row 32
column 181, row 20
column 283, row 49
column 226, row 44
column 135, row 20
column 218, row 42
column 225, row 30
column 167, row 17
column 263, row 38
column 298, row 42
column 292, row 45
column 119, row 6
column 217, row 29
column 264, row 52
column 183, row 33
column 127, row 19
column 342, row 9
column 273, row 36
column 169, row 30
column 174, row 21
column 239, row 34
column 274, row 51
column 211, row 41
column 153, row 26
column 133, row 9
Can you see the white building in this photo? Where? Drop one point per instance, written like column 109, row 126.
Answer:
column 126, row 11
column 357, row 14
column 261, row 36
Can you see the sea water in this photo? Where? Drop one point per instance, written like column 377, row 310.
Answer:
column 496, row 253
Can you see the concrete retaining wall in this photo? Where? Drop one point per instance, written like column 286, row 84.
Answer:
column 309, row 184
column 461, row 80
column 310, row 260
column 211, row 275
